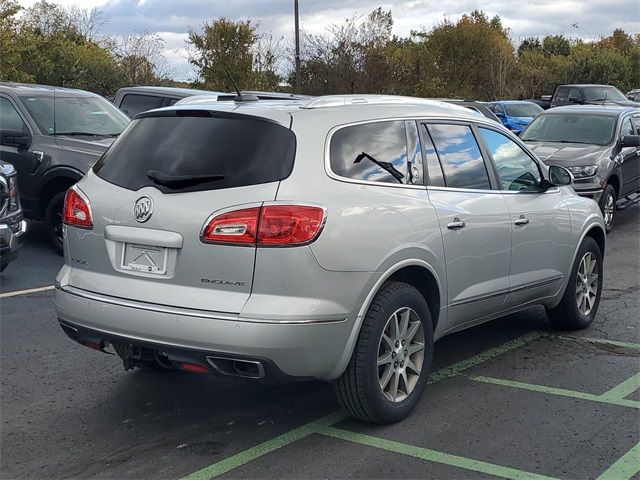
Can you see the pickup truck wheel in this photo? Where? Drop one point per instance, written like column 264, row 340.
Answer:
column 53, row 221
column 608, row 206
column 390, row 365
column 581, row 299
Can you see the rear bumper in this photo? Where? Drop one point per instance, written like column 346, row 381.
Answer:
column 310, row 349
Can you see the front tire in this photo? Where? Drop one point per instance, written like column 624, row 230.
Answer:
column 608, row 206
column 53, row 221
column 390, row 365
column 579, row 304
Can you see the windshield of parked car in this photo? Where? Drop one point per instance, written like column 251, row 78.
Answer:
column 599, row 94
column 523, row 109
column 571, row 128
column 77, row 116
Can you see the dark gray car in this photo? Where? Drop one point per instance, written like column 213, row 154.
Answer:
column 12, row 225
column 599, row 145
column 52, row 137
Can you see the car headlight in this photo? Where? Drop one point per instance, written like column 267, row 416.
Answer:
column 581, row 172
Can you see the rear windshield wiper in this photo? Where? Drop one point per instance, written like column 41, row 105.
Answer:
column 180, row 181
column 82, row 134
column 386, row 166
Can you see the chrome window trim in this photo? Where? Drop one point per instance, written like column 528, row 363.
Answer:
column 327, row 159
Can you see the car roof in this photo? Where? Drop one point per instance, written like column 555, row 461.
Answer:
column 341, row 107
column 611, row 110
column 22, row 89
column 178, row 91
column 585, row 85
column 510, row 102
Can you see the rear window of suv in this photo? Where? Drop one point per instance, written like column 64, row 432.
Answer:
column 182, row 151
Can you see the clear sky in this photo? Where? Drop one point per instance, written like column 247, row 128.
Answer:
column 588, row 19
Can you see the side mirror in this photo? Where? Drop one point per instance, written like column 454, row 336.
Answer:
column 15, row 138
column 630, row 141
column 560, row 176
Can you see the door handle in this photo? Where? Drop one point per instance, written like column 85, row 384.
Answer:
column 457, row 224
column 522, row 221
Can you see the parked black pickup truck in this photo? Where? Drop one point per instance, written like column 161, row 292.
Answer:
column 52, row 137
column 589, row 94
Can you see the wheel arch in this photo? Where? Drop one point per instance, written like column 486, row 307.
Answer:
column 598, row 235
column 415, row 272
column 614, row 181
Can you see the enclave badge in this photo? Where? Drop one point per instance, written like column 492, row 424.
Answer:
column 142, row 209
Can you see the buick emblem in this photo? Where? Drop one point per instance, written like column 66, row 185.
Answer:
column 142, row 209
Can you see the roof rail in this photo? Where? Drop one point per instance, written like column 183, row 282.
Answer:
column 343, row 100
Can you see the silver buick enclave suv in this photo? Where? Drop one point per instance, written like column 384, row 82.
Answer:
column 335, row 239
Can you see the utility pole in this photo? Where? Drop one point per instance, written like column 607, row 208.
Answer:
column 297, row 29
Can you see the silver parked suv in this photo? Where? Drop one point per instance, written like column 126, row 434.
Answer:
column 336, row 239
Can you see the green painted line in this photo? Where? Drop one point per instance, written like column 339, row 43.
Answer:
column 559, row 391
column 430, row 455
column 246, row 456
column 624, row 389
column 458, row 368
column 625, row 468
column 606, row 341
column 269, row 446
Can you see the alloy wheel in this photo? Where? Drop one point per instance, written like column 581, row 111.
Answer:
column 400, row 354
column 587, row 284
column 609, row 208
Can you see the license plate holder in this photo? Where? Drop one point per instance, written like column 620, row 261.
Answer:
column 141, row 258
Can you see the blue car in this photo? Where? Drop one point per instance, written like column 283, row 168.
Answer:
column 515, row 114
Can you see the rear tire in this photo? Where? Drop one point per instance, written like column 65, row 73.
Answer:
column 394, row 348
column 53, row 221
column 579, row 304
column 608, row 206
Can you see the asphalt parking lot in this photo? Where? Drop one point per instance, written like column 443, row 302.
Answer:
column 511, row 399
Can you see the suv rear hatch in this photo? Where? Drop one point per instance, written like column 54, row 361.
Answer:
column 153, row 193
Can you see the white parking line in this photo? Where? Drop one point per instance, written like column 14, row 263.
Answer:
column 26, row 292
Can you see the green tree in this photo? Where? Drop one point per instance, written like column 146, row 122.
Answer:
column 473, row 56
column 13, row 45
column 224, row 45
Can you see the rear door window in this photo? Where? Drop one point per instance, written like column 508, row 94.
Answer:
column 372, row 152
column 186, row 151
column 132, row 104
column 460, row 157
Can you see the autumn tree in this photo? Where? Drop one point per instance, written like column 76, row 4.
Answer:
column 234, row 46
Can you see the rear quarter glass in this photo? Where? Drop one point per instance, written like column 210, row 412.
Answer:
column 232, row 150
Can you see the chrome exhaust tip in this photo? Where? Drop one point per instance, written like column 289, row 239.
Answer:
column 235, row 367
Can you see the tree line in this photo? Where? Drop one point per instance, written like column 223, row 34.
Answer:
column 473, row 57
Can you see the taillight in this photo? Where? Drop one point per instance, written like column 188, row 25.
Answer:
column 283, row 225
column 266, row 226
column 76, row 210
column 237, row 227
